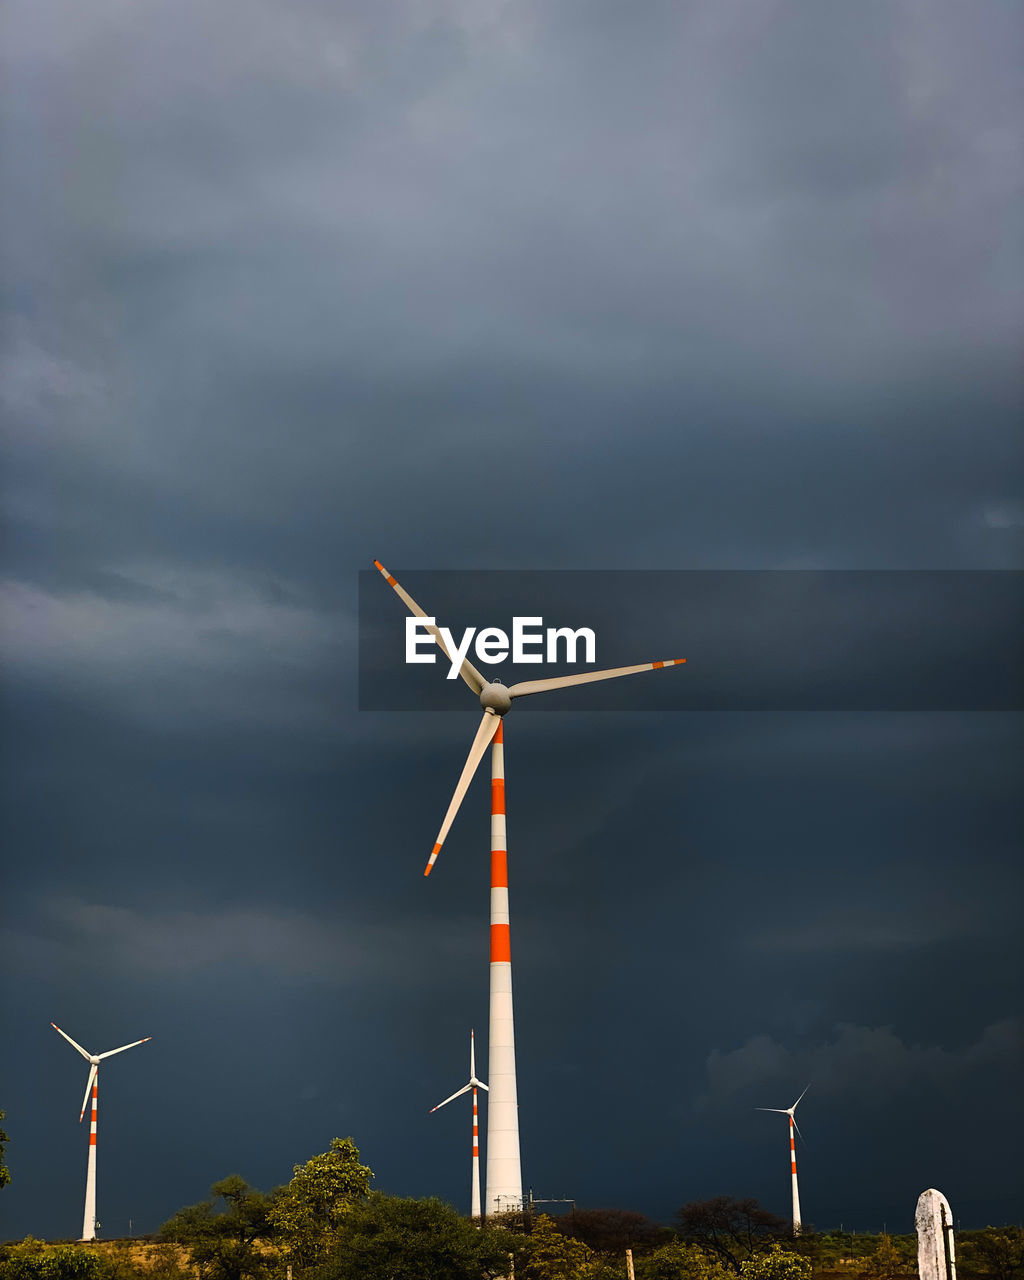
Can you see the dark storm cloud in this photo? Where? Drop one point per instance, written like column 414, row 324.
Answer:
column 775, row 244
column 859, row 1062
column 493, row 285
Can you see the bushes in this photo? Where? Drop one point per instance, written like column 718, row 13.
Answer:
column 387, row 1236
column 34, row 1260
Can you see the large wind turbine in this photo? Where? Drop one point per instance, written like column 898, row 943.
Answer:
column 474, row 1084
column 92, row 1085
column 504, row 1171
column 790, row 1111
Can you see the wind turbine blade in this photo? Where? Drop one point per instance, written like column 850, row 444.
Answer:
column 88, row 1089
column 587, row 677
column 472, row 1055
column 71, row 1042
column 778, row 1110
column 465, row 1089
column 797, row 1128
column 799, row 1100
column 468, row 672
column 110, row 1052
column 481, row 1085
column 488, row 728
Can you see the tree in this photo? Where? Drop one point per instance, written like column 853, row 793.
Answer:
column 384, row 1237
column 5, row 1173
column 678, row 1260
column 776, row 1263
column 225, row 1244
column 732, row 1229
column 997, row 1253
column 552, row 1255
column 888, row 1262
column 612, row 1230
column 309, row 1212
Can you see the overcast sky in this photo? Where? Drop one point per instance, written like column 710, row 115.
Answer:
column 492, row 284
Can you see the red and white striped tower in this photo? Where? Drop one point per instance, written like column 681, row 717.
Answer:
column 92, row 1088
column 89, row 1217
column 794, row 1129
column 473, row 1085
column 792, row 1167
column 504, row 1173
column 475, row 1193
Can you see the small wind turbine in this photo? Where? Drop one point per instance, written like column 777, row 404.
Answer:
column 474, row 1084
column 504, row 1169
column 789, row 1111
column 92, row 1085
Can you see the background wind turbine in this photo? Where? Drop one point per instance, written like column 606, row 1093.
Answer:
column 474, row 1084
column 789, row 1111
column 504, row 1168
column 92, row 1085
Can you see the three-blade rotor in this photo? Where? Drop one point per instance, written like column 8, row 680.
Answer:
column 496, row 699
column 94, row 1060
column 788, row 1111
column 473, row 1081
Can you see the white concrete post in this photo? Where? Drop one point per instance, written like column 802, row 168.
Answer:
column 934, row 1221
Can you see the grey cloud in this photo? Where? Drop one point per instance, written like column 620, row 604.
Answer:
column 861, row 1062
column 116, row 940
column 177, row 643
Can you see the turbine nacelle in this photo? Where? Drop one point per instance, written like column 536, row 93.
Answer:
column 496, row 701
column 495, row 697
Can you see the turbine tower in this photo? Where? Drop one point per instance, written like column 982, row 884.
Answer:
column 504, row 1170
column 474, row 1084
column 789, row 1111
column 92, row 1086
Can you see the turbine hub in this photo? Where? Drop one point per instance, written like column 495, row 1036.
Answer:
column 494, row 697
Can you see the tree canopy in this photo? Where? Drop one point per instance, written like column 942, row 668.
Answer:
column 225, row 1243
column 612, row 1230
column 5, row 1173
column 732, row 1229
column 309, row 1212
column 383, row 1237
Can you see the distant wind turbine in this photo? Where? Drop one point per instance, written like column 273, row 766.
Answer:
column 474, row 1084
column 789, row 1111
column 92, row 1085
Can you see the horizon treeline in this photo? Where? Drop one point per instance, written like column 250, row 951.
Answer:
column 327, row 1224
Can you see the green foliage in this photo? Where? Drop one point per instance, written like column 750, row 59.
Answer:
column 733, row 1230
column 386, row 1237
column 225, row 1244
column 552, row 1255
column 678, row 1260
column 613, row 1231
column 776, row 1263
column 890, row 1260
column 34, row 1260
column 5, row 1173
column 997, row 1253
column 309, row 1213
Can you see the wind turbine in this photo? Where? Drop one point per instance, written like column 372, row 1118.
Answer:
column 789, row 1111
column 474, row 1084
column 92, row 1085
column 504, row 1170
